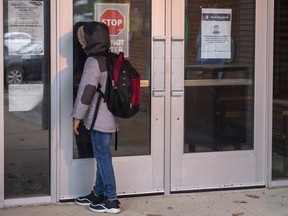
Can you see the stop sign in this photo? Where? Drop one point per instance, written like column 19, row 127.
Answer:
column 114, row 20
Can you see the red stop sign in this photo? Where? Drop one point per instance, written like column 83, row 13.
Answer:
column 114, row 20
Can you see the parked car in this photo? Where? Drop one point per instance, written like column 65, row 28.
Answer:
column 25, row 65
column 14, row 41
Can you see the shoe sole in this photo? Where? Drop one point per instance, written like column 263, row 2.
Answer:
column 82, row 204
column 111, row 211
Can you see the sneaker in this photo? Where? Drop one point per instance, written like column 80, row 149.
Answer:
column 88, row 199
column 106, row 207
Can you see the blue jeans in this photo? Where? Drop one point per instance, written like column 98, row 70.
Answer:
column 105, row 184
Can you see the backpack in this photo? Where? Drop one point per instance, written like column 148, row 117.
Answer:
column 122, row 93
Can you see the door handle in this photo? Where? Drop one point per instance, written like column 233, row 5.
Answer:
column 158, row 93
column 177, row 93
column 158, row 65
column 177, row 76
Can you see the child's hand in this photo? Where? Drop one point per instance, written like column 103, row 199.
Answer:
column 76, row 123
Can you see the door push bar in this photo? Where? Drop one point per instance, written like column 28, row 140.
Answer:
column 177, row 76
column 158, row 72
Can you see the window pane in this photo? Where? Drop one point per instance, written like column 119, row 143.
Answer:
column 134, row 40
column 280, row 93
column 27, row 98
column 219, row 75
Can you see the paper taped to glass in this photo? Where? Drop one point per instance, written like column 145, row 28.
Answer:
column 24, row 97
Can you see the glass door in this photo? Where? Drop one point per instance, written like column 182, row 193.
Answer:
column 138, row 161
column 213, row 85
column 201, row 83
column 280, row 97
column 25, row 100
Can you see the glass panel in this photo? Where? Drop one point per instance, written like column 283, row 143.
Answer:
column 26, row 98
column 280, row 93
column 133, row 38
column 219, row 75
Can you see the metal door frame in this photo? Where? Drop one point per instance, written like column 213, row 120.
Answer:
column 257, row 156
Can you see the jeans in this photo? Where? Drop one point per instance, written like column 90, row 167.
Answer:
column 105, row 184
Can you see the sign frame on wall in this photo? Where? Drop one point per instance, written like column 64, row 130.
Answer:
column 117, row 17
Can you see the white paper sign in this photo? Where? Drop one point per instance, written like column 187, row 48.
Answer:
column 216, row 33
column 25, row 22
column 24, row 97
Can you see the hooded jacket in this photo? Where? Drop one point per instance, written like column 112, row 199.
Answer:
column 94, row 38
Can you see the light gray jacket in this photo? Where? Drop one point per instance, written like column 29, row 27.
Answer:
column 94, row 38
column 84, row 107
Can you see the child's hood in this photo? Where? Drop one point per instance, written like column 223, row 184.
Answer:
column 94, row 37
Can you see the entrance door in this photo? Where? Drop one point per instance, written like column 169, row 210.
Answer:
column 196, row 128
column 139, row 159
column 213, row 100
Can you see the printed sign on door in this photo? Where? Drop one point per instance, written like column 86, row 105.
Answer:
column 116, row 17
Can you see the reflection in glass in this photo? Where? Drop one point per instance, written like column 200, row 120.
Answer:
column 134, row 133
column 280, row 94
column 219, row 83
column 26, row 101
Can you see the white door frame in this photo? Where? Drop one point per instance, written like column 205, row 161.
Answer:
column 270, row 63
column 1, row 112
column 54, row 114
column 194, row 171
column 137, row 174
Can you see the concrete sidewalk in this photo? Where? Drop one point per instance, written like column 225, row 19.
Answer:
column 252, row 202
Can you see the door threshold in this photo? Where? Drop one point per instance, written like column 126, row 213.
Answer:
column 219, row 189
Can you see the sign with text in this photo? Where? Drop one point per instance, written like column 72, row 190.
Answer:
column 116, row 17
column 216, row 33
column 25, row 28
column 24, row 97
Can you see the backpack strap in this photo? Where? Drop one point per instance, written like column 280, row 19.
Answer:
column 116, row 72
column 96, row 107
column 101, row 53
column 116, row 140
column 96, row 113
